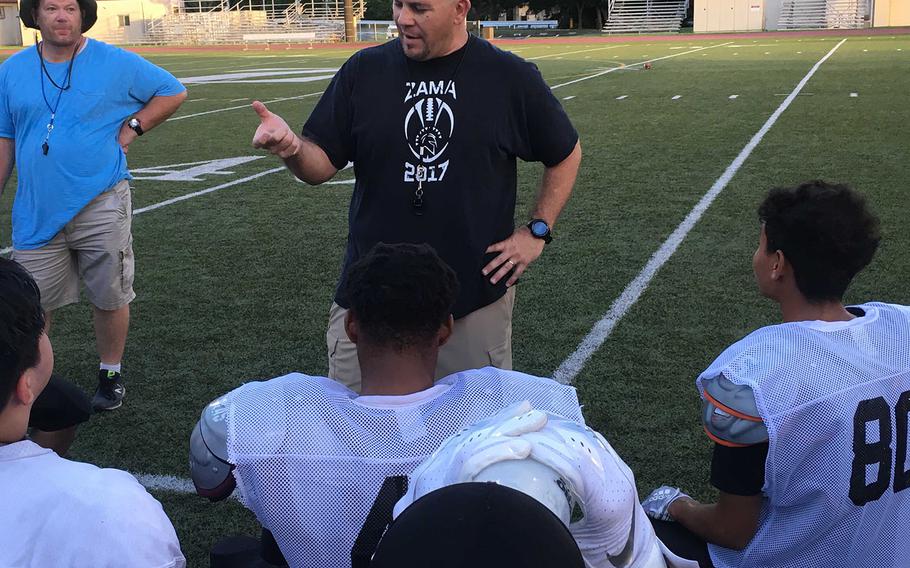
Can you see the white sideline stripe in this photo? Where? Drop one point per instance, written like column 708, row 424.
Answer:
column 574, row 52
column 569, row 98
column 621, row 97
column 569, row 369
column 204, row 191
column 243, row 106
column 7, row 250
column 258, row 73
column 554, row 87
column 165, row 483
column 272, row 80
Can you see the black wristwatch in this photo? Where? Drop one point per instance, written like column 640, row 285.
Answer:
column 136, row 125
column 540, row 230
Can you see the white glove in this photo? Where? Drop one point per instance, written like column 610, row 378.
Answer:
column 657, row 504
column 602, row 486
column 463, row 456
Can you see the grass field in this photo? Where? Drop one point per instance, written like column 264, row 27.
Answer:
column 235, row 284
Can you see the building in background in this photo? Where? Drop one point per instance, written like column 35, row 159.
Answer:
column 757, row 15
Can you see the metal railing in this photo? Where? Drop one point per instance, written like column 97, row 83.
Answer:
column 645, row 16
column 209, row 22
column 825, row 14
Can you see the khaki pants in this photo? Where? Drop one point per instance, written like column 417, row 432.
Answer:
column 480, row 339
column 96, row 246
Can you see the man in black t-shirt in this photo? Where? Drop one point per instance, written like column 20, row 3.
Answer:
column 433, row 123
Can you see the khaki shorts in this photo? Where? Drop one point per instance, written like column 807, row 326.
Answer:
column 482, row 338
column 96, row 247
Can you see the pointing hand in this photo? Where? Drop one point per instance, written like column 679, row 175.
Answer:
column 274, row 134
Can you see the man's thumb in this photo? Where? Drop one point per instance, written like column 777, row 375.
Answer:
column 261, row 110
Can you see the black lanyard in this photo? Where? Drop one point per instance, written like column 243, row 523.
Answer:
column 420, row 173
column 67, row 82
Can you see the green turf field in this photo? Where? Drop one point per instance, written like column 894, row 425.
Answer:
column 236, row 284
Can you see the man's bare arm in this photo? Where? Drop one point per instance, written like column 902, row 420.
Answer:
column 305, row 159
column 156, row 111
column 731, row 522
column 7, row 160
column 518, row 251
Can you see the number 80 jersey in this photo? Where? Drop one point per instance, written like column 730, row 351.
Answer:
column 835, row 398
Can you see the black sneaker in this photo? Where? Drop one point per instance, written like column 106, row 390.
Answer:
column 109, row 394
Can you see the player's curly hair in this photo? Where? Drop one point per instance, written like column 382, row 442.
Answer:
column 400, row 294
column 825, row 231
column 21, row 325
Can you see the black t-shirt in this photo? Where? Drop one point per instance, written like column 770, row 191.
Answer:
column 457, row 123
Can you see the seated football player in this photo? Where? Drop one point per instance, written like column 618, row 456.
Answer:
column 561, row 463
column 57, row 512
column 309, row 457
column 809, row 416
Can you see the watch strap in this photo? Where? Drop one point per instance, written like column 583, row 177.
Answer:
column 136, row 125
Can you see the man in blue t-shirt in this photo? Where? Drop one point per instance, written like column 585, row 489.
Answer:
column 69, row 109
column 434, row 123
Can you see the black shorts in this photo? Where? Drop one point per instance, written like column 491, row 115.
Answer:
column 60, row 405
column 683, row 542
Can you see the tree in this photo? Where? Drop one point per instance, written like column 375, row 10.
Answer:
column 378, row 10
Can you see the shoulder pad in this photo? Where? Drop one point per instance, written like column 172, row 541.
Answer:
column 209, row 466
column 213, row 424
column 730, row 415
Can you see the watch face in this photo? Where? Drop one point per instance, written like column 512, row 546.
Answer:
column 539, row 229
column 134, row 123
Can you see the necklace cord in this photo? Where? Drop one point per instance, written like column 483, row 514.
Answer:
column 67, row 83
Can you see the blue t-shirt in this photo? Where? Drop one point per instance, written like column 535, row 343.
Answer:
column 108, row 86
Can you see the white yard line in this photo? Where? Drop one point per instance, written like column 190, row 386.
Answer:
column 167, row 202
column 569, row 369
column 165, row 483
column 243, row 106
column 238, row 76
column 227, row 67
column 173, row 200
column 574, row 52
column 602, row 73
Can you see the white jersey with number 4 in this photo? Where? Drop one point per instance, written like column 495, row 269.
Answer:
column 835, row 398
column 311, row 455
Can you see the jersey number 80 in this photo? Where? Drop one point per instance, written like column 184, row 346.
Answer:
column 879, row 452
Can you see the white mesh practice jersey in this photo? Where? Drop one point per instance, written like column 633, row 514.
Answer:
column 310, row 460
column 835, row 398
